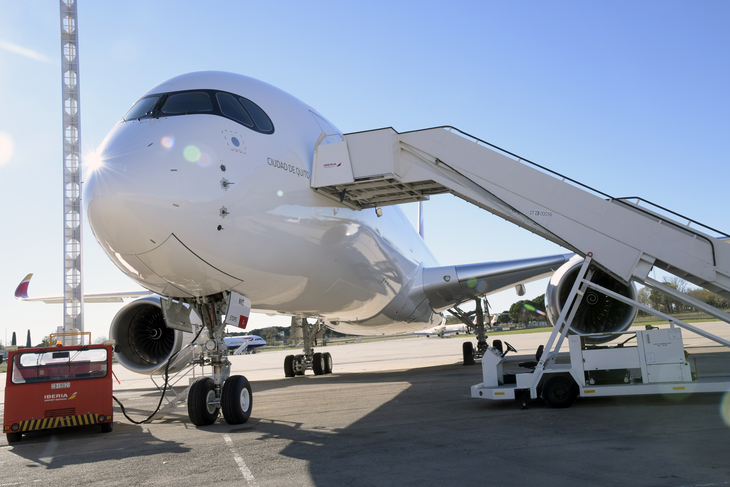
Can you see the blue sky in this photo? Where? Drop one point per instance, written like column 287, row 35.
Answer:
column 628, row 97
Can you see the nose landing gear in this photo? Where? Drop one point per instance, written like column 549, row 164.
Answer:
column 209, row 395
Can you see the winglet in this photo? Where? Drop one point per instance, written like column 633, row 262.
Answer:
column 21, row 292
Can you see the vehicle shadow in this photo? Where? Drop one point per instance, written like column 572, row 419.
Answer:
column 63, row 447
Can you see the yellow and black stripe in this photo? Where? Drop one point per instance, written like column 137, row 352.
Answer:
column 47, row 423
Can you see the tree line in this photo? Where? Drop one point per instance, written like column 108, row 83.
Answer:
column 667, row 304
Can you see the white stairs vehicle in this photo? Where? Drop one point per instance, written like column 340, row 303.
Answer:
column 616, row 235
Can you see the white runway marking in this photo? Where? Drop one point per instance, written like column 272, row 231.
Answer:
column 49, row 457
column 241, row 464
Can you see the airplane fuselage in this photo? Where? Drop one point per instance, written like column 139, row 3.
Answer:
column 195, row 204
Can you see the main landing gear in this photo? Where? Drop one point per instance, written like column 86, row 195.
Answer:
column 469, row 351
column 222, row 391
column 319, row 363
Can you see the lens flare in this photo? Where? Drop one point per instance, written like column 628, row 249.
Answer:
column 93, row 161
column 167, row 142
column 280, row 193
column 530, row 307
column 204, row 159
column 7, row 148
column 191, row 153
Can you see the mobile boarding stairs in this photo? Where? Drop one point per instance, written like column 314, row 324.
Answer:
column 382, row 167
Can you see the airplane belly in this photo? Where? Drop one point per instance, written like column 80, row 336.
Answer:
column 273, row 254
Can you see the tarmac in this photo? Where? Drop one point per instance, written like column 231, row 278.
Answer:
column 394, row 412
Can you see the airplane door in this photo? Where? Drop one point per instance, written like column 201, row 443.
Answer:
column 333, row 134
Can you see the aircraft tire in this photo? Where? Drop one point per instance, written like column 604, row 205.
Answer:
column 236, row 400
column 300, row 360
column 327, row 362
column 14, row 437
column 107, row 427
column 317, row 364
column 289, row 366
column 559, row 391
column 200, row 413
column 468, row 350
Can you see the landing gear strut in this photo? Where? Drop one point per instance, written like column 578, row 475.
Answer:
column 469, row 351
column 209, row 395
column 319, row 363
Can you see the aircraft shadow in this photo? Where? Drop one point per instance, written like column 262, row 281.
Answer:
column 428, row 432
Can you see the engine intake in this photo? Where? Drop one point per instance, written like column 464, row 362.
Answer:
column 144, row 342
column 597, row 312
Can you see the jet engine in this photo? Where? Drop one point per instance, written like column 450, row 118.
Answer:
column 597, row 312
column 143, row 340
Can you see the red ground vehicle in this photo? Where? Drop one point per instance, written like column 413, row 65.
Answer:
column 56, row 387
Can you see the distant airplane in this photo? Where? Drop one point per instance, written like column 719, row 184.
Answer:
column 203, row 197
column 441, row 330
column 252, row 343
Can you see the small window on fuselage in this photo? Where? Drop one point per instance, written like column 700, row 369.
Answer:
column 187, row 103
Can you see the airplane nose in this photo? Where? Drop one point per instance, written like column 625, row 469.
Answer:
column 158, row 186
column 133, row 195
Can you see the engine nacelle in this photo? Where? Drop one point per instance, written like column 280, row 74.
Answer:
column 143, row 340
column 597, row 313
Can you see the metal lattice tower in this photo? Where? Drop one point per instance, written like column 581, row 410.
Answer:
column 73, row 289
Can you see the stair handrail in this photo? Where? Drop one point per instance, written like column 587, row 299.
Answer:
column 595, row 191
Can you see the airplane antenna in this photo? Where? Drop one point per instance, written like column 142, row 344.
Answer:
column 73, row 289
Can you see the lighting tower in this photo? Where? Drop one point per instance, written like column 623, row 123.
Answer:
column 73, row 289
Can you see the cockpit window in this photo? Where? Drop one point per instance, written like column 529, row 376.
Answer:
column 263, row 122
column 186, row 103
column 231, row 108
column 210, row 102
column 142, row 108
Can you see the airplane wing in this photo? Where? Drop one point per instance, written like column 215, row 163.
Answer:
column 452, row 285
column 21, row 293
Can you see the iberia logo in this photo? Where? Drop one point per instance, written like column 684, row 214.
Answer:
column 59, row 397
column 331, row 164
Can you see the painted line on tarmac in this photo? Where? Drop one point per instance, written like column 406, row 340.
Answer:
column 706, row 485
column 51, row 457
column 241, row 464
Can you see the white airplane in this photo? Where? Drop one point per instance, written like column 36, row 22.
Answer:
column 441, row 330
column 252, row 342
column 204, row 199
